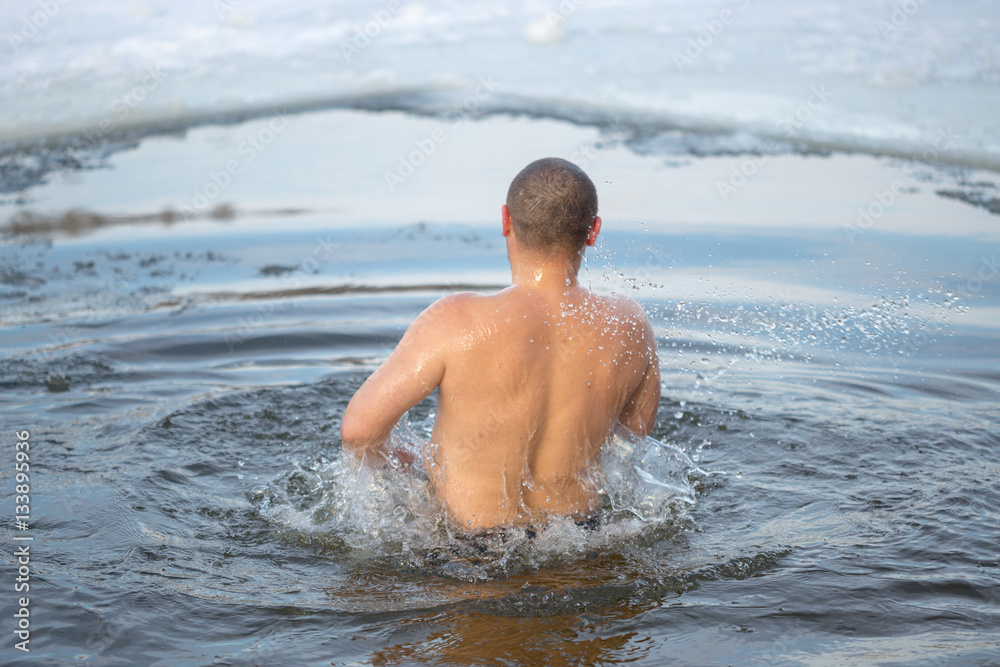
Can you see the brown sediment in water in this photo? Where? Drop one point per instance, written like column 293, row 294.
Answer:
column 78, row 221
column 350, row 288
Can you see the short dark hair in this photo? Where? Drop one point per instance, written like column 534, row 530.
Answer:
column 552, row 205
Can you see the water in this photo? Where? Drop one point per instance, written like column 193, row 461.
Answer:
column 912, row 79
column 822, row 482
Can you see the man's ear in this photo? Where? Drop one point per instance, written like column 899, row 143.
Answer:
column 595, row 229
column 505, row 216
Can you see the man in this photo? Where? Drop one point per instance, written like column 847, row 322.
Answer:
column 531, row 380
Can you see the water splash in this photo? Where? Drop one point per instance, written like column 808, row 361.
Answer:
column 390, row 517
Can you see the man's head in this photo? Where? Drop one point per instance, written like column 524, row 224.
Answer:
column 552, row 206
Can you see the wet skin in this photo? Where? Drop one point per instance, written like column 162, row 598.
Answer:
column 531, row 381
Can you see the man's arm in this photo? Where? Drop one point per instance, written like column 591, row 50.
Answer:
column 415, row 367
column 638, row 414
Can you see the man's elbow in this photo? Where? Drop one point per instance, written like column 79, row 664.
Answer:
column 638, row 426
column 640, row 412
column 647, row 424
column 355, row 434
column 634, row 423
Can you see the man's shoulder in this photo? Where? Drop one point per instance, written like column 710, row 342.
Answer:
column 627, row 316
column 456, row 302
column 449, row 311
column 620, row 305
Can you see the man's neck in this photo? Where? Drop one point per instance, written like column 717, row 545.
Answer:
column 545, row 274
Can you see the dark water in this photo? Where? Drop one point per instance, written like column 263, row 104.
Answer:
column 821, row 487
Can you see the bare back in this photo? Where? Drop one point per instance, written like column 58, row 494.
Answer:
column 531, row 380
column 533, row 384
